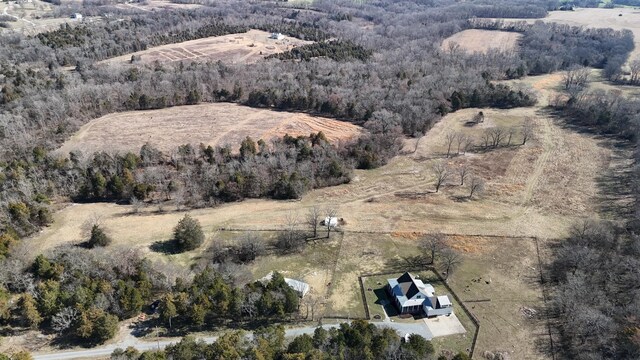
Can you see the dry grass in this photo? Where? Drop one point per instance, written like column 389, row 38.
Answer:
column 210, row 124
column 538, row 189
column 513, row 278
column 475, row 40
column 535, row 190
column 246, row 47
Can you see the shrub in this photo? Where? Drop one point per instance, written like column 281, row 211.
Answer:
column 98, row 237
column 188, row 234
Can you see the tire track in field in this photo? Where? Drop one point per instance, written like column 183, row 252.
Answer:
column 547, row 147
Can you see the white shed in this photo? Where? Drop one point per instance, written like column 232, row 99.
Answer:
column 276, row 36
column 330, row 221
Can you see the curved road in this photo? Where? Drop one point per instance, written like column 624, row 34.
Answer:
column 419, row 328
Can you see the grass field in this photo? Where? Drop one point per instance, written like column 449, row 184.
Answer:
column 475, row 40
column 535, row 190
column 246, row 47
column 211, row 124
column 538, row 189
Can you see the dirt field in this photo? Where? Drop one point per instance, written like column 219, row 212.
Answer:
column 152, row 5
column 211, row 124
column 246, row 47
column 482, row 40
column 599, row 18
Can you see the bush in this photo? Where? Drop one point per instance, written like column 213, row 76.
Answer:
column 98, row 237
column 188, row 235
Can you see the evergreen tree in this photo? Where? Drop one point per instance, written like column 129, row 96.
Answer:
column 98, row 237
column 188, row 234
column 168, row 310
column 28, row 312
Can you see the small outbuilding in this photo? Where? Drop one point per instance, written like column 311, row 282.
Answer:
column 276, row 36
column 300, row 287
column 330, row 221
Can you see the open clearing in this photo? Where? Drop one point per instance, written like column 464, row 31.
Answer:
column 475, row 40
column 210, row 124
column 246, row 47
column 34, row 17
column 537, row 190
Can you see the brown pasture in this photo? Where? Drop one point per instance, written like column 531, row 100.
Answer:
column 210, row 124
column 537, row 190
column 475, row 40
column 246, row 47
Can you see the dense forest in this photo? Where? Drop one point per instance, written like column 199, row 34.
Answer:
column 393, row 79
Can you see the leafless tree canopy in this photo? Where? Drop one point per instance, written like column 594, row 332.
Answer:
column 476, row 186
column 441, row 174
column 449, row 261
column 576, row 78
column 433, row 244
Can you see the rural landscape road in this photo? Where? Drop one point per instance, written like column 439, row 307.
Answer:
column 402, row 328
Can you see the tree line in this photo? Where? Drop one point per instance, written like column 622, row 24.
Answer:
column 356, row 340
column 595, row 270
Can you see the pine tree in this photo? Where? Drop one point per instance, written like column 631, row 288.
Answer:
column 188, row 234
column 168, row 309
column 98, row 237
column 29, row 312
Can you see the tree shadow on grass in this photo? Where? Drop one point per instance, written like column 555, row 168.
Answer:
column 167, row 247
column 406, row 263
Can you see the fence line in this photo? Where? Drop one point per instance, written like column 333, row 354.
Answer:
column 473, row 319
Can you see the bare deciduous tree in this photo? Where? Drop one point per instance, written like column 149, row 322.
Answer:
column 330, row 213
column 433, row 244
column 463, row 171
column 634, row 68
column 441, row 174
column 313, row 220
column 476, row 186
column 450, row 137
column 461, row 140
column 290, row 240
column 249, row 248
column 468, row 145
column 527, row 130
column 486, row 139
column 496, row 135
column 63, row 320
column 576, row 78
column 449, row 260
